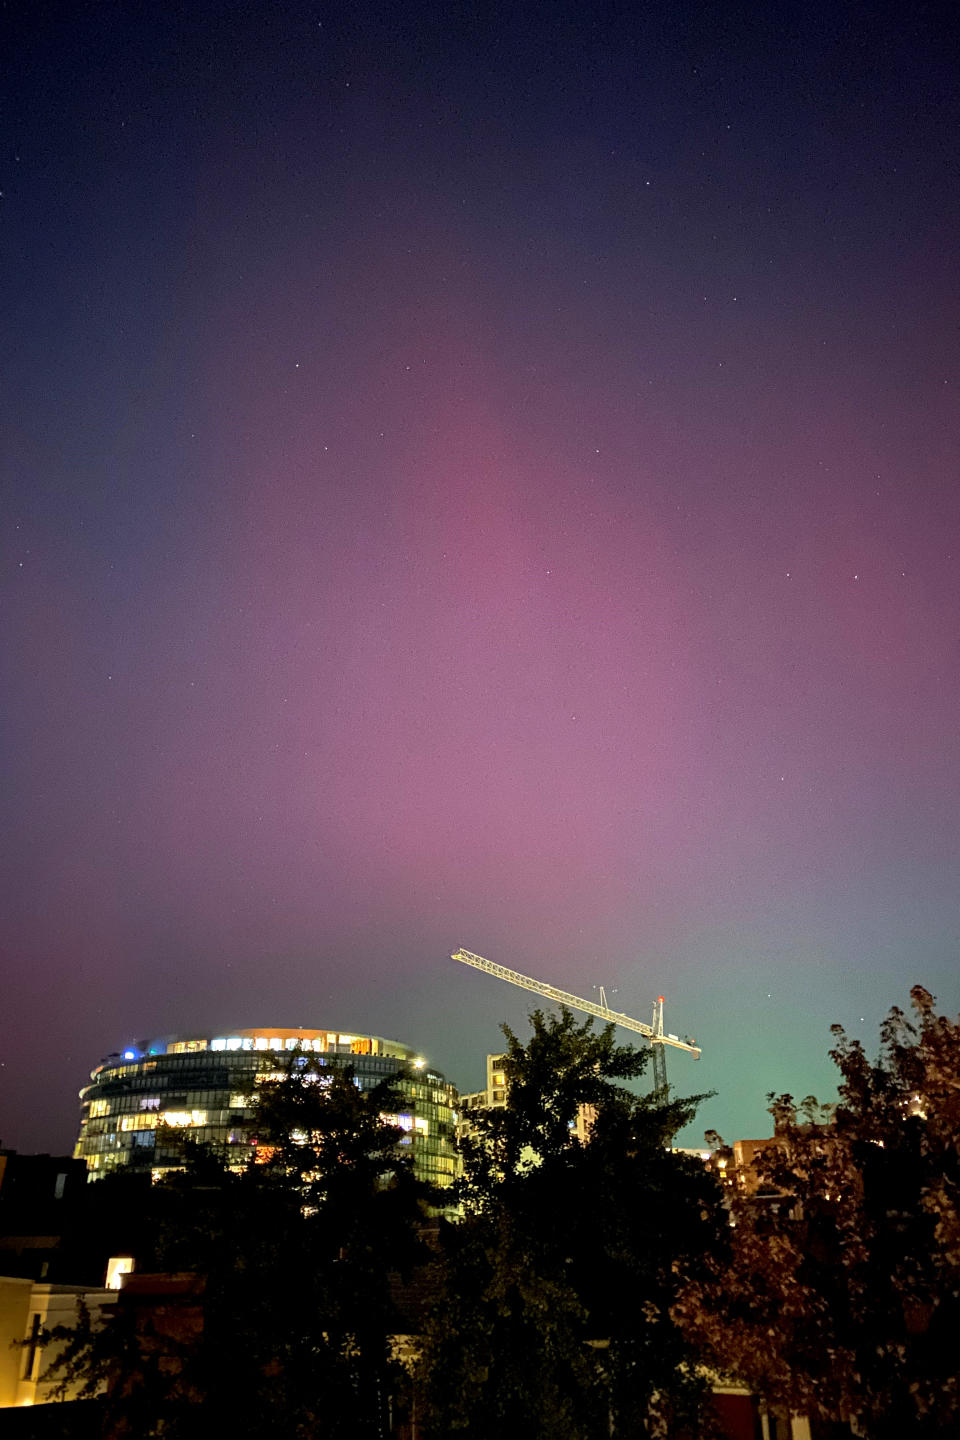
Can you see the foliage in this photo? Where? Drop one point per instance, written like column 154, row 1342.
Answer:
column 841, row 1294
column 285, row 1328
column 554, row 1312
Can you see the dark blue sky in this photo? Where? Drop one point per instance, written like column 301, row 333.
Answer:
column 476, row 475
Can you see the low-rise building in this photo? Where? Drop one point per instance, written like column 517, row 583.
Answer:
column 38, row 1201
column 27, row 1309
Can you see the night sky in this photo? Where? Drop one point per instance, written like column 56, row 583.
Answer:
column 477, row 475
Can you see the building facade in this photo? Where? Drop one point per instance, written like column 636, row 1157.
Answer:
column 494, row 1097
column 38, row 1201
column 27, row 1309
column 206, row 1084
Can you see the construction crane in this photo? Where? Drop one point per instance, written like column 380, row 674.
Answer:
column 653, row 1033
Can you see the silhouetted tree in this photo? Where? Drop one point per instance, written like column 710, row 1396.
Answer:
column 554, row 1312
column 840, row 1296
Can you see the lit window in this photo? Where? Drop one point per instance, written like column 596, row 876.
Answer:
column 99, row 1107
column 139, row 1122
column 117, row 1267
column 400, row 1122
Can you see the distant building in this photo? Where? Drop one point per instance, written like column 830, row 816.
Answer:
column 38, row 1196
column 205, row 1084
column 494, row 1097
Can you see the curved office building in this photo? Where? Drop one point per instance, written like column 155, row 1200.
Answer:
column 204, row 1083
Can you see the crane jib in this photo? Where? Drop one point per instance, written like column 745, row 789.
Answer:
column 577, row 1002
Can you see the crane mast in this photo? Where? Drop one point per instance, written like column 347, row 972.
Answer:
column 653, row 1033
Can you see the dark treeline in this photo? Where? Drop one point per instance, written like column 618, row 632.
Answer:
column 582, row 1287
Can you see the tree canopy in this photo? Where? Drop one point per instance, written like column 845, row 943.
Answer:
column 840, row 1295
column 554, row 1311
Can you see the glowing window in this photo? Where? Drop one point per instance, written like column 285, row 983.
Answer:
column 99, row 1107
column 139, row 1122
column 400, row 1122
column 117, row 1267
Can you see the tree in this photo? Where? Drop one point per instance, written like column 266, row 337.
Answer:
column 285, row 1327
column 554, row 1310
column 840, row 1295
